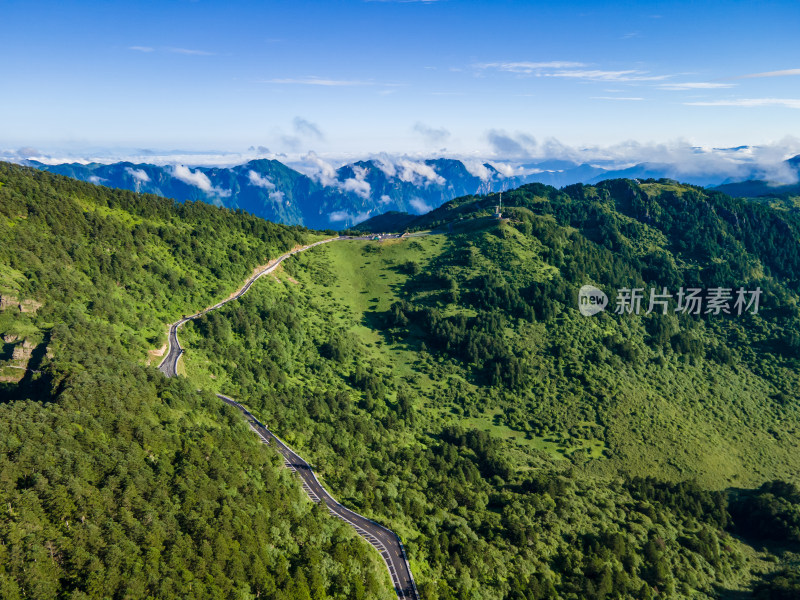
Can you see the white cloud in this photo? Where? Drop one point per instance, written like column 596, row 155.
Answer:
column 770, row 160
column 570, row 70
column 507, row 170
column 385, row 164
column 189, row 52
column 304, row 130
column 407, row 170
column 420, row 205
column 212, row 158
column 195, row 178
column 357, row 184
column 517, row 145
column 529, row 67
column 259, row 180
column 186, row 51
column 138, row 174
column 624, row 98
column 478, row 169
column 783, row 73
column 599, row 75
column 320, row 170
column 308, row 129
column 751, row 102
column 277, row 197
column 317, row 81
column 326, row 174
column 384, row 200
column 678, row 159
column 96, row 180
column 360, row 188
column 694, row 85
column 413, row 172
column 432, row 135
column 28, row 152
column 685, row 159
column 199, row 180
column 338, row 216
column 342, row 215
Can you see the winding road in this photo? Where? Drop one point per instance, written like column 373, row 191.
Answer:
column 169, row 366
column 382, row 539
column 385, row 541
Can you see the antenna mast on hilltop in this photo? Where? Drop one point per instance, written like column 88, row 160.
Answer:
column 498, row 210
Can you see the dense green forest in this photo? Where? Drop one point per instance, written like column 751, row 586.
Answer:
column 114, row 481
column 447, row 386
column 444, row 385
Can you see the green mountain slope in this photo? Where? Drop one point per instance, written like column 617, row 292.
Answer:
column 116, row 482
column 445, row 385
column 448, row 386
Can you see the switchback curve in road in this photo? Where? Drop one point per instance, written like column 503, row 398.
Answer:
column 385, row 541
column 169, row 366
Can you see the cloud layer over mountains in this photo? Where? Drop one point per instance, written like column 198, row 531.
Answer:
column 317, row 192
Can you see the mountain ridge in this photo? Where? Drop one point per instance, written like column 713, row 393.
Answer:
column 337, row 198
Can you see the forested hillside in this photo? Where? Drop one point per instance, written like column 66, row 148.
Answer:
column 445, row 385
column 114, row 481
column 448, row 386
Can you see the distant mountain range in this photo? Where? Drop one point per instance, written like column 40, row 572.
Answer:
column 339, row 198
column 758, row 188
column 267, row 188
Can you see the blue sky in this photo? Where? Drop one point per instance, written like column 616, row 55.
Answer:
column 355, row 77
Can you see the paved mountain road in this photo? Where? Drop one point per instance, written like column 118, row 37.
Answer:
column 385, row 541
column 169, row 366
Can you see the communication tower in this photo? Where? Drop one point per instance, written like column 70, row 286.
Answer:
column 498, row 210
